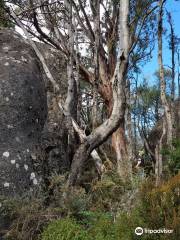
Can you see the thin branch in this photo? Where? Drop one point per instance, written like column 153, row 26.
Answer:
column 38, row 53
column 86, row 19
column 134, row 43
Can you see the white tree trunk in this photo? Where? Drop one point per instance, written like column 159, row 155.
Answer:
column 164, row 100
column 167, row 121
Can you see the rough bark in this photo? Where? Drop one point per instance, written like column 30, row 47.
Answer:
column 96, row 6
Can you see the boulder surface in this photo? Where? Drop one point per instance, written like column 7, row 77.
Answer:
column 23, row 111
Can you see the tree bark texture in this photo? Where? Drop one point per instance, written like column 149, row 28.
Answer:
column 71, row 102
column 167, row 121
column 172, row 47
column 118, row 81
column 164, row 100
column 96, row 7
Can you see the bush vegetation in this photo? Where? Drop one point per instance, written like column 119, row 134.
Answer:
column 173, row 156
column 104, row 213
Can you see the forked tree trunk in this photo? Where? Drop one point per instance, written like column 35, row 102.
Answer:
column 106, row 129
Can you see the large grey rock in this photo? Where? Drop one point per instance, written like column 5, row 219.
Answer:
column 54, row 141
column 23, row 110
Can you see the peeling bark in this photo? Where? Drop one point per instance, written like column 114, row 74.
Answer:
column 123, row 161
column 101, row 133
column 119, row 144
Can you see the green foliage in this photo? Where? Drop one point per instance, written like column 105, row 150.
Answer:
column 76, row 202
column 173, row 156
column 4, row 21
column 168, row 80
column 64, row 229
column 149, row 96
column 97, row 215
column 100, row 227
column 147, row 107
column 69, row 203
column 106, row 194
column 88, row 218
column 160, row 207
column 8, row 207
column 127, row 223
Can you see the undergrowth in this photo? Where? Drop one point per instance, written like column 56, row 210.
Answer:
column 111, row 210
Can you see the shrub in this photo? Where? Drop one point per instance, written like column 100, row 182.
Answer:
column 65, row 229
column 157, row 207
column 106, row 193
column 173, row 156
column 70, row 203
column 126, row 225
column 24, row 219
column 174, row 161
column 102, row 228
column 160, row 207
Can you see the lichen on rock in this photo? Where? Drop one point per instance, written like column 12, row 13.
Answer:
column 23, row 111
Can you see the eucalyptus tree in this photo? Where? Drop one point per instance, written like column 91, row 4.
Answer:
column 172, row 43
column 112, row 36
column 167, row 120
